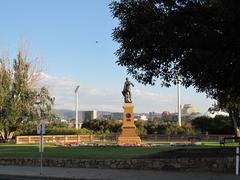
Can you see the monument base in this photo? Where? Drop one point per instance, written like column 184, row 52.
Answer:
column 129, row 140
column 128, row 135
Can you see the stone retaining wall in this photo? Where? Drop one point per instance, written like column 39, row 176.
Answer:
column 196, row 164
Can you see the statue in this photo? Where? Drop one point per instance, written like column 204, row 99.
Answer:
column 127, row 91
column 128, row 134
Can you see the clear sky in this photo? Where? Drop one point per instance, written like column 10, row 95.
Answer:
column 73, row 37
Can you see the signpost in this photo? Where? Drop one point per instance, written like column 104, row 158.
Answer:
column 237, row 160
column 41, row 131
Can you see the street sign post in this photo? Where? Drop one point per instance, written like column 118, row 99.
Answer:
column 41, row 131
column 41, row 128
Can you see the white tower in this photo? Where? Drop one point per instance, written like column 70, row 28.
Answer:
column 179, row 102
column 76, row 106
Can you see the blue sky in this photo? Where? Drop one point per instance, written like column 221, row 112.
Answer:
column 73, row 37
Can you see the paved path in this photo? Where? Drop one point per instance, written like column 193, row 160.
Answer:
column 82, row 173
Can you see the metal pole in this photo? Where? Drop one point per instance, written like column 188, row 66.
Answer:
column 41, row 152
column 179, row 102
column 237, row 160
column 76, row 110
column 76, row 106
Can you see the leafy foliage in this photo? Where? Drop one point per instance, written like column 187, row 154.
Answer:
column 140, row 129
column 17, row 98
column 103, row 126
column 217, row 125
column 44, row 104
column 169, row 128
column 67, row 131
column 197, row 40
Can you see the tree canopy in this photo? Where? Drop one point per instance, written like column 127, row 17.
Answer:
column 197, row 40
column 19, row 101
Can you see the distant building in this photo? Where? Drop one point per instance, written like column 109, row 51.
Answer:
column 153, row 115
column 117, row 115
column 104, row 115
column 88, row 115
column 188, row 109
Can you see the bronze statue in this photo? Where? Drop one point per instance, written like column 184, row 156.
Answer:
column 127, row 91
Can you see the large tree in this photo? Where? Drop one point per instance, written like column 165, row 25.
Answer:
column 19, row 99
column 197, row 40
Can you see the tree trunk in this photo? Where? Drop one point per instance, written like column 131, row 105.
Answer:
column 234, row 117
column 6, row 135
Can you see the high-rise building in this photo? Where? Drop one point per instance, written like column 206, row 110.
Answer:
column 189, row 109
column 88, row 115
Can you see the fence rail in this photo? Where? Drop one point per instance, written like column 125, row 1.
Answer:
column 65, row 139
column 160, row 137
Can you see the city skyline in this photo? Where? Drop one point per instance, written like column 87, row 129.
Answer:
column 75, row 42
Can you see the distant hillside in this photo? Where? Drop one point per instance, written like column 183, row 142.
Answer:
column 65, row 114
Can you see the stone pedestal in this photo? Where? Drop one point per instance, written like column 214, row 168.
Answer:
column 128, row 135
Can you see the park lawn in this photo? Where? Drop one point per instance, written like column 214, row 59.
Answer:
column 202, row 144
column 217, row 144
column 53, row 151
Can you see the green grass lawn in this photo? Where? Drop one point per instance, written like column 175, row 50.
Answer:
column 202, row 144
column 216, row 144
column 53, row 151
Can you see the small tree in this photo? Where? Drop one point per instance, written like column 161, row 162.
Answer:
column 17, row 96
column 44, row 104
column 5, row 101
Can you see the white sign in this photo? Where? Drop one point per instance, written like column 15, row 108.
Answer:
column 41, row 128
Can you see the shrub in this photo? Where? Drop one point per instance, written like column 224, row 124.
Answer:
column 67, row 131
column 217, row 125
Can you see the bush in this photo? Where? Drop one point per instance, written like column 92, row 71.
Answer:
column 169, row 128
column 29, row 128
column 67, row 131
column 175, row 129
column 53, row 128
column 103, row 126
column 217, row 125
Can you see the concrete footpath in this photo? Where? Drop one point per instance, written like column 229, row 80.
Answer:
column 28, row 172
